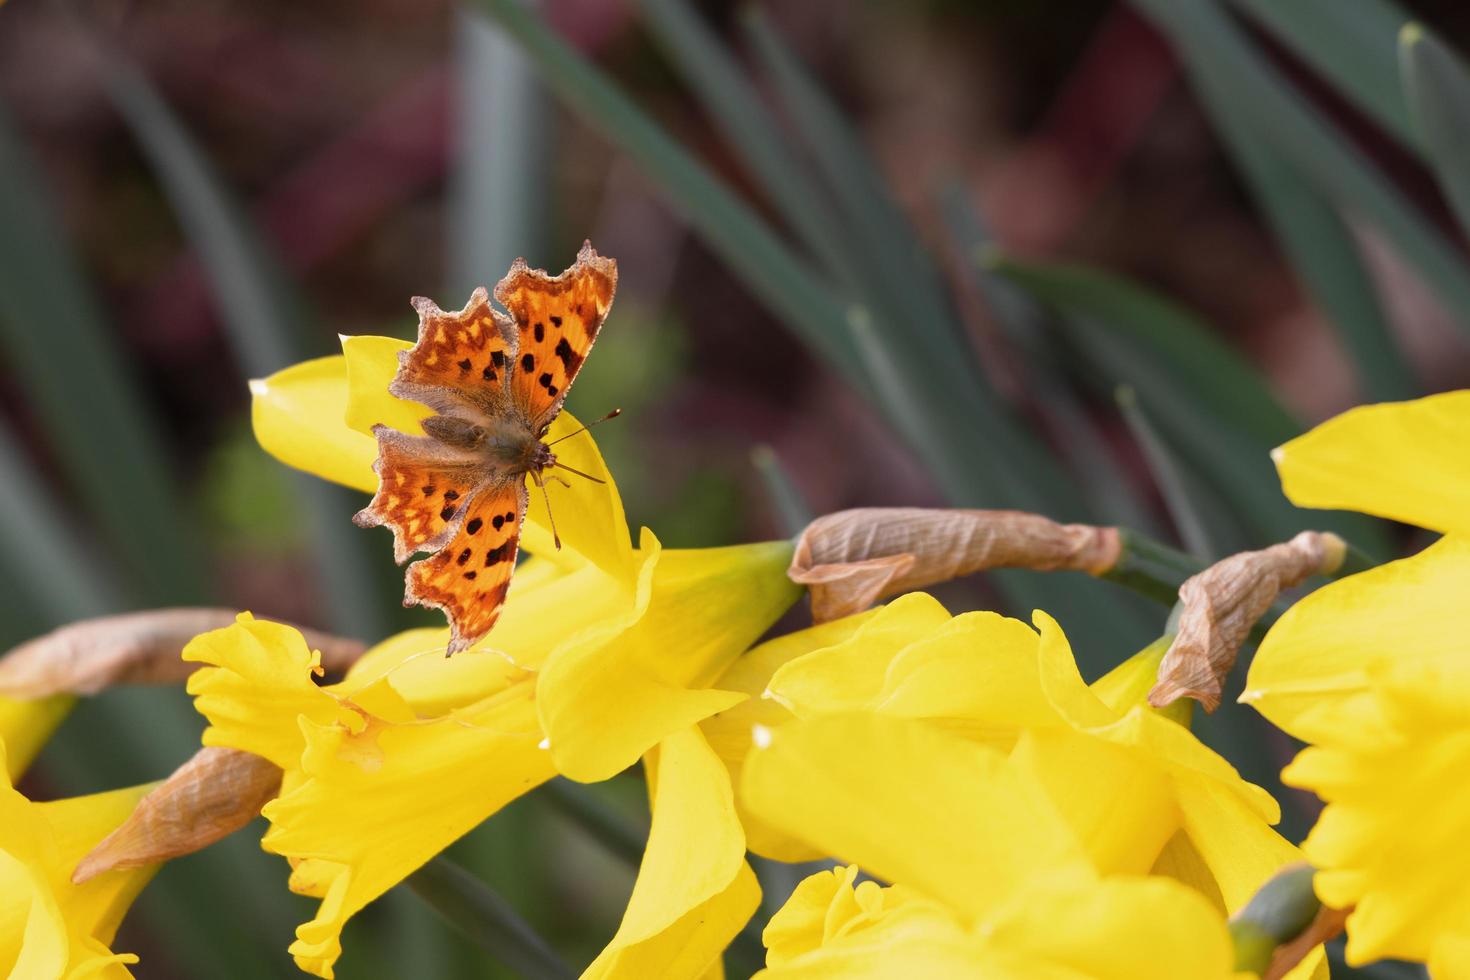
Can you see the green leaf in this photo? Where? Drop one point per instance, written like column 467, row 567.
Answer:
column 1179, row 492
column 1220, row 58
column 1437, row 85
column 62, row 353
column 1081, row 443
column 750, row 131
column 1211, row 405
column 1321, row 248
column 1351, row 44
column 900, row 281
column 503, row 131
column 476, row 910
column 46, row 580
column 792, row 510
column 266, row 322
column 600, row 821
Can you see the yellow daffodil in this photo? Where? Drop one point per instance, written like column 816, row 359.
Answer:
column 26, row 725
column 1374, row 672
column 990, row 877
column 605, row 653
column 49, row 927
column 991, row 679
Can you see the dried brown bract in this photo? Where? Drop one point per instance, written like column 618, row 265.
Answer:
column 212, row 795
column 134, row 648
column 851, row 559
column 1223, row 603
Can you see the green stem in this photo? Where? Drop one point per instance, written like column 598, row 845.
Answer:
column 601, row 822
column 476, row 910
column 1150, row 568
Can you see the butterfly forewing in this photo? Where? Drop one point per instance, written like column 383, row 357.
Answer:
column 464, row 355
column 557, row 319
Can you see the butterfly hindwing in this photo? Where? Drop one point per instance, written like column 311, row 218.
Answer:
column 557, row 319
column 469, row 578
column 423, row 488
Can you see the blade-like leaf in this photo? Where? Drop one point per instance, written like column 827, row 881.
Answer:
column 1321, row 248
column 1180, row 496
column 1081, row 443
column 266, row 322
column 1217, row 53
column 46, row 579
column 1437, row 85
column 909, row 293
column 1211, row 405
column 62, row 354
column 751, row 131
column 503, row 136
column 1352, row 44
column 473, row 908
column 792, row 510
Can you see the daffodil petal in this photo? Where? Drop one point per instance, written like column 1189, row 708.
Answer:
column 298, row 415
column 694, row 890
column 50, row 927
column 372, row 363
column 977, row 674
column 1312, row 675
column 1121, row 928
column 1401, row 460
column 603, row 704
column 548, row 607
column 251, row 662
column 376, row 805
column 849, row 675
column 1065, row 689
column 1119, row 805
column 833, row 927
column 25, row 727
column 729, row 731
column 973, row 830
column 588, row 514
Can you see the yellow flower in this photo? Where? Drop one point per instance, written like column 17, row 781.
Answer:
column 26, row 725
column 1183, row 811
column 604, row 654
column 49, row 927
column 990, row 878
column 1374, row 672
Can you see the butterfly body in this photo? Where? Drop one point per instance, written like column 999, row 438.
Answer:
column 496, row 382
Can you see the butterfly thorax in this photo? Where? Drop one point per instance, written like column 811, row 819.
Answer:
column 507, row 446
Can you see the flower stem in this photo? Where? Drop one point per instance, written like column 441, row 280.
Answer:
column 601, row 822
column 476, row 910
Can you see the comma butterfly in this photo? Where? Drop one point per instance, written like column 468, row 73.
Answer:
column 496, row 383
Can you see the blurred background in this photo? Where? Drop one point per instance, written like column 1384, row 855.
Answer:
column 1088, row 258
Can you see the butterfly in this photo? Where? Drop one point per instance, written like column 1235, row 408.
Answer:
column 495, row 383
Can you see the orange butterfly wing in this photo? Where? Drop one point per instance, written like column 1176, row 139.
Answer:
column 557, row 319
column 422, row 488
column 470, row 577
column 460, row 356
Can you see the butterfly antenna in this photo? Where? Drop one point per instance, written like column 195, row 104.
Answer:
column 556, row 538
column 585, row 476
column 610, row 415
